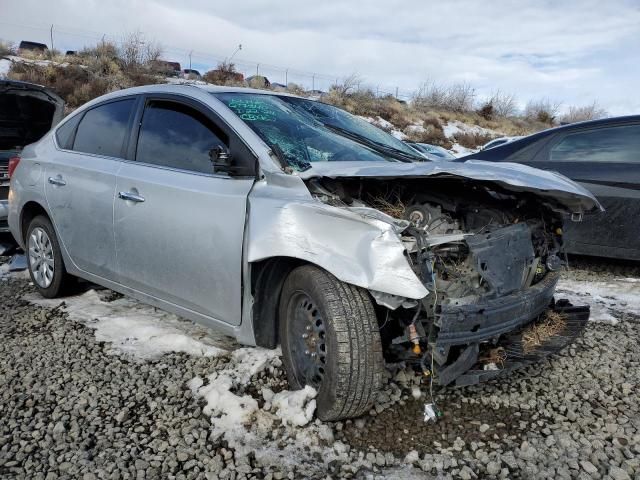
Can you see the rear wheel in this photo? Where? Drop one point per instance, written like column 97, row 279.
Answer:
column 330, row 341
column 44, row 259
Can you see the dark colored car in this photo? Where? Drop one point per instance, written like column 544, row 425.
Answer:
column 431, row 152
column 27, row 112
column 602, row 155
column 191, row 73
column 26, row 45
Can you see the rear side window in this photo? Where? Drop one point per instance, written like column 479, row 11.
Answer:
column 103, row 129
column 605, row 145
column 178, row 136
column 64, row 134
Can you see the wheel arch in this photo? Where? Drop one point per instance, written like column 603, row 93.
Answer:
column 267, row 279
column 29, row 211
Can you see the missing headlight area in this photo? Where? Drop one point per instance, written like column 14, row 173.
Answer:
column 489, row 259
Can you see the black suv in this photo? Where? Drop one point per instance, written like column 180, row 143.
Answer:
column 602, row 155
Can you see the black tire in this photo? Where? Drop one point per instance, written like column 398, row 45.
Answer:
column 61, row 281
column 348, row 368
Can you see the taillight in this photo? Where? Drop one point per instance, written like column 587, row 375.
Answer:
column 13, row 164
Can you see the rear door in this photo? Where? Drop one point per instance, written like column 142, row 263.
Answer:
column 178, row 225
column 606, row 161
column 80, row 183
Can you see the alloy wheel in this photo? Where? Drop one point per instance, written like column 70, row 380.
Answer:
column 41, row 259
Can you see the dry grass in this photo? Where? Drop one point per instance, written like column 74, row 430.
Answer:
column 496, row 356
column 473, row 139
column 89, row 74
column 550, row 325
column 394, row 208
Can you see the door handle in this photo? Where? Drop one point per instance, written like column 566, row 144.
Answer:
column 57, row 181
column 132, row 197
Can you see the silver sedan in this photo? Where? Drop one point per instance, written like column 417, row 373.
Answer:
column 280, row 220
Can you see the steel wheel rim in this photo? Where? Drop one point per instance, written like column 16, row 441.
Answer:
column 41, row 259
column 307, row 340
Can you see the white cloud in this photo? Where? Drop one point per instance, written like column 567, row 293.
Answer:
column 571, row 51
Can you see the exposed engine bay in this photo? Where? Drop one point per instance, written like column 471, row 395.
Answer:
column 488, row 257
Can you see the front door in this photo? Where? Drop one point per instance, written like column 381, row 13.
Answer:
column 178, row 226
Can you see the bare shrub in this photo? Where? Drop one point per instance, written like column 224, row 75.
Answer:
column 103, row 59
column 581, row 114
column 543, row 110
column 295, row 89
column 348, row 85
column 136, row 53
column 430, row 96
column 458, row 97
column 461, row 97
column 486, row 110
column 224, row 74
column 504, row 104
column 431, row 132
column 472, row 139
column 7, row 48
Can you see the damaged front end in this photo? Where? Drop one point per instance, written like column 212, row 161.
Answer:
column 489, row 259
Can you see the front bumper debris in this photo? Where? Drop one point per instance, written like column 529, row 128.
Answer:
column 471, row 368
column 467, row 324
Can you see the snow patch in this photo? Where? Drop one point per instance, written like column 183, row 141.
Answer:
column 456, row 127
column 385, row 125
column 460, row 151
column 607, row 298
column 5, row 66
column 295, row 408
column 137, row 329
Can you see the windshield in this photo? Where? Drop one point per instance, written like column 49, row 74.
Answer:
column 302, row 132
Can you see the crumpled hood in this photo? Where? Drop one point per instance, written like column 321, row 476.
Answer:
column 515, row 177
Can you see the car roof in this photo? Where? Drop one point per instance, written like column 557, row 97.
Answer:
column 181, row 88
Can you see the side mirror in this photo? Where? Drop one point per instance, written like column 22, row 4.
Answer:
column 220, row 159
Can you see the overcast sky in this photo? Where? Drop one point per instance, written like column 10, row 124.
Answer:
column 570, row 51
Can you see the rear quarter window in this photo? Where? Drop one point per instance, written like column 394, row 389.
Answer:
column 65, row 133
column 103, row 129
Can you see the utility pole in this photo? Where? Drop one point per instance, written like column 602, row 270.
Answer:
column 396, row 93
column 257, row 69
column 286, row 77
column 51, row 35
column 234, row 53
column 313, row 81
column 190, row 53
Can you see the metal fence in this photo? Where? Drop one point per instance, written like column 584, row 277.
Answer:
column 63, row 38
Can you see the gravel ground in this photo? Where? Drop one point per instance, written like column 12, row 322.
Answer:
column 72, row 408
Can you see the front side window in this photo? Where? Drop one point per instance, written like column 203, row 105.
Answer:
column 304, row 132
column 177, row 136
column 103, row 129
column 605, row 145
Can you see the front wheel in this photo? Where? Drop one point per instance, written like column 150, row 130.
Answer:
column 331, row 341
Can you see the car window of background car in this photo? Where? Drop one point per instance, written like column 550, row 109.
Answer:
column 177, row 136
column 613, row 144
column 301, row 139
column 103, row 129
column 64, row 134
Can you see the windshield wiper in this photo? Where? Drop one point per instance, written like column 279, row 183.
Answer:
column 378, row 146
